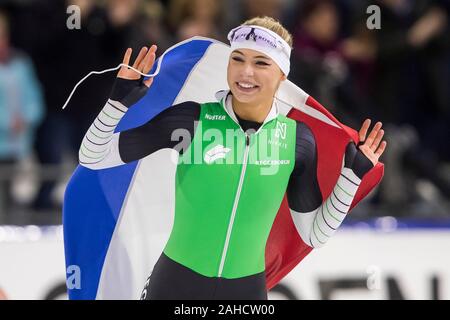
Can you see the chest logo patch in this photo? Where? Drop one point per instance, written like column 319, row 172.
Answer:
column 217, row 152
column 214, row 117
column 280, row 131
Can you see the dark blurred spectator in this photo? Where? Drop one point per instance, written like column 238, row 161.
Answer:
column 62, row 58
column 360, row 52
column 398, row 74
column 188, row 18
column 319, row 65
column 412, row 52
column 411, row 87
column 149, row 27
column 21, row 107
column 316, row 44
column 246, row 9
column 260, row 8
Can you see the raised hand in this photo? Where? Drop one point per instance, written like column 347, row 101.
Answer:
column 372, row 146
column 144, row 63
column 129, row 86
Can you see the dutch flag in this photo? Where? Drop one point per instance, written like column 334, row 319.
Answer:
column 117, row 221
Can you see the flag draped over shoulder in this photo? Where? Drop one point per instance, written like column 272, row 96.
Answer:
column 117, row 220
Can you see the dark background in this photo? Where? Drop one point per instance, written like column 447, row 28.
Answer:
column 399, row 74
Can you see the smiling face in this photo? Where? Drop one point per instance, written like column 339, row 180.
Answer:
column 252, row 76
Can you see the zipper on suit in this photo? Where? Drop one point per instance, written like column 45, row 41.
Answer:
column 235, row 204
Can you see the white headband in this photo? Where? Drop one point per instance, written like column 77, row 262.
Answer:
column 263, row 40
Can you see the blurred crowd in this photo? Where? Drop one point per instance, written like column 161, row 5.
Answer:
column 398, row 74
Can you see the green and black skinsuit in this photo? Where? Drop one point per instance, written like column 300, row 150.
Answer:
column 231, row 177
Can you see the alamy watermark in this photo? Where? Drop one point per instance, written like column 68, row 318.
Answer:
column 373, row 278
column 73, row 21
column 224, row 147
column 73, row 273
column 374, row 20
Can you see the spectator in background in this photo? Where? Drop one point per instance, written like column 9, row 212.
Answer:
column 260, row 8
column 359, row 49
column 316, row 43
column 411, row 87
column 247, row 9
column 21, row 107
column 188, row 18
column 63, row 57
column 150, row 27
column 320, row 66
column 412, row 50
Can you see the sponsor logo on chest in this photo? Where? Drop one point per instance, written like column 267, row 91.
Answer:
column 217, row 152
column 214, row 116
column 271, row 162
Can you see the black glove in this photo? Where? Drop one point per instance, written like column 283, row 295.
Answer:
column 128, row 92
column 357, row 161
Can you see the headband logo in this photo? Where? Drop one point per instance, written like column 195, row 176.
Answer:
column 267, row 41
column 255, row 37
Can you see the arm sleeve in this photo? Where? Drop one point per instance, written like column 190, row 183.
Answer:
column 102, row 148
column 317, row 220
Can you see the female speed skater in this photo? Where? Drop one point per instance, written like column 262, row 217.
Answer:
column 225, row 204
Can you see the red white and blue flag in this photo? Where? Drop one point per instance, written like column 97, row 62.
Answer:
column 117, row 220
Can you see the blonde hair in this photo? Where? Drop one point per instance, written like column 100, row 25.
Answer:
column 273, row 25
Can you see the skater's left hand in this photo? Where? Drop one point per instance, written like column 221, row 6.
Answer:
column 372, row 146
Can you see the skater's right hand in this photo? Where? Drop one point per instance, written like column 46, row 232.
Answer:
column 144, row 63
column 129, row 86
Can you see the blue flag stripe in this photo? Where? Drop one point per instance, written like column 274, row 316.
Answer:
column 94, row 199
